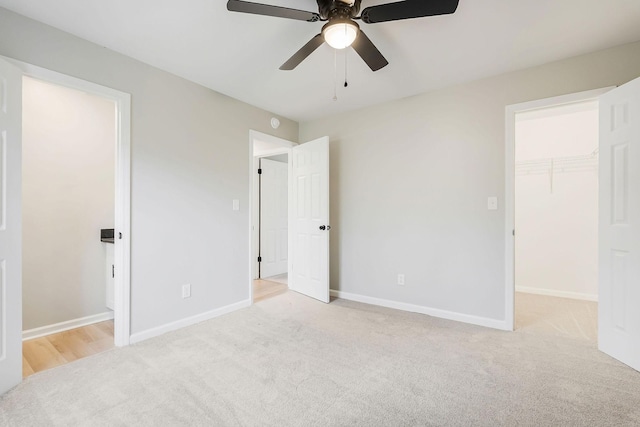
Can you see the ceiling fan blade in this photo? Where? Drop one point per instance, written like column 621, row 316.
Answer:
column 269, row 10
column 408, row 9
column 304, row 51
column 369, row 52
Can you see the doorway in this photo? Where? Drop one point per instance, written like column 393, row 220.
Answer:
column 68, row 199
column 552, row 216
column 273, row 226
column 122, row 185
column 308, row 212
column 269, row 215
column 556, row 218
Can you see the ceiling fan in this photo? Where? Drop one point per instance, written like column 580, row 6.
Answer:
column 341, row 30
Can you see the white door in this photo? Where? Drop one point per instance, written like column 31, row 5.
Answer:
column 309, row 272
column 619, row 240
column 274, row 206
column 10, row 226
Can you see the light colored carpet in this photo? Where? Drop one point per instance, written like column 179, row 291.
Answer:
column 293, row 361
column 560, row 317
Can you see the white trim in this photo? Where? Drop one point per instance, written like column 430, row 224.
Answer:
column 182, row 323
column 276, row 142
column 443, row 314
column 65, row 326
column 556, row 293
column 66, row 80
column 281, row 146
column 509, row 195
column 122, row 250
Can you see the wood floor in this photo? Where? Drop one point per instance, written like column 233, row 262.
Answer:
column 280, row 278
column 263, row 289
column 59, row 349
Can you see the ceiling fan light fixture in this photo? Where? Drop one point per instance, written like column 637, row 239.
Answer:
column 339, row 34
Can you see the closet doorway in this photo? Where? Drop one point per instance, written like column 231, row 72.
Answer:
column 556, row 219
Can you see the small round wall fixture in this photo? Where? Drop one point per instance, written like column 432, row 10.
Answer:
column 275, row 123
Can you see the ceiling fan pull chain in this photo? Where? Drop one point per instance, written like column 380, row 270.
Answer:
column 346, row 54
column 335, row 75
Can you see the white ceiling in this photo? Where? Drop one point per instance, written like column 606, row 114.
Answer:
column 239, row 54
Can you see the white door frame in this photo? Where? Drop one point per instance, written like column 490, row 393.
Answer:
column 509, row 192
column 122, row 300
column 280, row 146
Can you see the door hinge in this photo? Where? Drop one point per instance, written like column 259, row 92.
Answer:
column 113, row 271
column 259, row 259
column 259, row 171
column 513, row 232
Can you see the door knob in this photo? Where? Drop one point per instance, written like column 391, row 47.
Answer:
column 322, row 227
column 325, row 227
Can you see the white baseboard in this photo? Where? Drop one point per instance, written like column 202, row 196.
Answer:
column 555, row 293
column 443, row 314
column 65, row 326
column 178, row 324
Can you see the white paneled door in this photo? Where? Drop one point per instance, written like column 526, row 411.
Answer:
column 309, row 273
column 10, row 226
column 619, row 230
column 274, row 205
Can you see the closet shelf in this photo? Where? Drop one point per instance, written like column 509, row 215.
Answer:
column 582, row 163
column 552, row 166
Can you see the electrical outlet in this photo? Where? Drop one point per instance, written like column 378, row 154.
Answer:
column 186, row 291
column 401, row 279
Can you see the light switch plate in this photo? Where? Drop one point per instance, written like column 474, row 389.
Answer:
column 236, row 204
column 186, row 290
column 492, row 203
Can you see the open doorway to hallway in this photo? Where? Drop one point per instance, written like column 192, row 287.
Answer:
column 556, row 220
column 307, row 234
column 273, row 224
column 270, row 215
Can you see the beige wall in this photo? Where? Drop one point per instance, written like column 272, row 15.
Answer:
column 68, row 176
column 410, row 181
column 190, row 159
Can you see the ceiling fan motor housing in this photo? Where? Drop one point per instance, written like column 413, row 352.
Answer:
column 331, row 9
